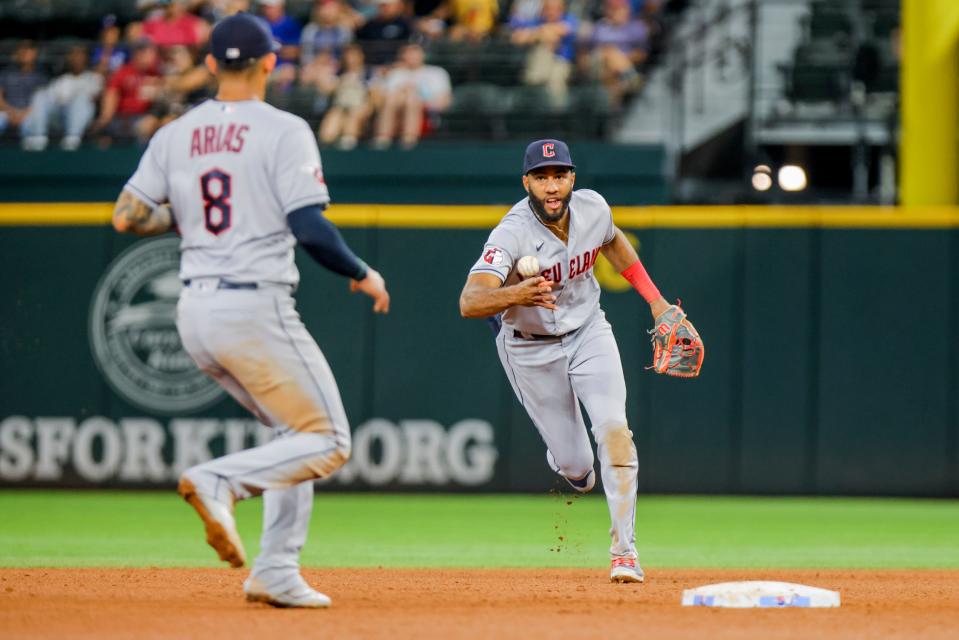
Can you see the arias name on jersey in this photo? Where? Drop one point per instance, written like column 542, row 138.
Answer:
column 217, row 139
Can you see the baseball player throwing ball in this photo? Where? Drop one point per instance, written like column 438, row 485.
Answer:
column 242, row 183
column 554, row 342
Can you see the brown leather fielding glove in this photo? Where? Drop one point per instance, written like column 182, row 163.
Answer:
column 677, row 348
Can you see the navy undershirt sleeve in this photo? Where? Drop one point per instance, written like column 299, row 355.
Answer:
column 322, row 240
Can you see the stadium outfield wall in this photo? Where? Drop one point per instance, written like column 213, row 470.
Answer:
column 461, row 173
column 830, row 365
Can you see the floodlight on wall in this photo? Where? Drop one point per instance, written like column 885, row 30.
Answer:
column 792, row 178
column 762, row 178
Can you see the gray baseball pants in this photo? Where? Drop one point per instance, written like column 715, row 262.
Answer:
column 255, row 345
column 551, row 377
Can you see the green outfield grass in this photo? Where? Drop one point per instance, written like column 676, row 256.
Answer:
column 51, row 529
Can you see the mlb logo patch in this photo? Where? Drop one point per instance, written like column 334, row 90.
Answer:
column 493, row 256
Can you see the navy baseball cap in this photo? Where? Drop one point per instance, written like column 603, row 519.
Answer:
column 242, row 37
column 547, row 153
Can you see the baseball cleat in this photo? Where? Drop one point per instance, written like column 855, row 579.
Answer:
column 300, row 596
column 626, row 570
column 584, row 484
column 217, row 516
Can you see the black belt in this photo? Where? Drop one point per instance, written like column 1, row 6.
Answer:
column 537, row 336
column 227, row 284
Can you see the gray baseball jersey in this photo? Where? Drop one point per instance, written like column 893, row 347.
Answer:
column 569, row 266
column 232, row 171
column 553, row 376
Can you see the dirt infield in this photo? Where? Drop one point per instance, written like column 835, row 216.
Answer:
column 454, row 604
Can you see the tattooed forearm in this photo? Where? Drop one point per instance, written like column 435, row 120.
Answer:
column 132, row 215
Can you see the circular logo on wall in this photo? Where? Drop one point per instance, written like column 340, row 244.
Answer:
column 133, row 332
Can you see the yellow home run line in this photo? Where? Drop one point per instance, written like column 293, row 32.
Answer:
column 486, row 216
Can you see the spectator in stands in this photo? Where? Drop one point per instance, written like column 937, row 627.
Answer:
column 384, row 34
column 129, row 96
column 652, row 13
column 18, row 84
column 472, row 20
column 109, row 55
column 330, row 29
column 185, row 84
column 321, row 74
column 552, row 40
column 364, row 10
column 69, row 101
column 215, row 10
column 429, row 17
column 286, row 29
column 351, row 108
column 642, row 9
column 524, row 10
column 175, row 26
column 616, row 46
column 413, row 94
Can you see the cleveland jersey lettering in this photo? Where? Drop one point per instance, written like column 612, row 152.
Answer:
column 578, row 266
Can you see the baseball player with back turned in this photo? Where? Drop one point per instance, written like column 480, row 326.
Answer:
column 554, row 342
column 242, row 183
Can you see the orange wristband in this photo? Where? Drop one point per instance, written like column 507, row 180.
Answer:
column 636, row 275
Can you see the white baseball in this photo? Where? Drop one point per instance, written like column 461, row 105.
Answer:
column 528, row 266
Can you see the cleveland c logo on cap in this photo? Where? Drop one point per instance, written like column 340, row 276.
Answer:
column 549, row 150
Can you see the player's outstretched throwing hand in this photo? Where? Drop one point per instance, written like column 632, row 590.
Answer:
column 374, row 286
column 484, row 296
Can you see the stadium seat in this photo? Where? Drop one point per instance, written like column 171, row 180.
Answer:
column 885, row 22
column 305, row 102
column 494, row 61
column 820, row 72
column 502, row 63
column 828, row 21
column 477, row 110
column 457, row 58
column 531, row 113
column 589, row 110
